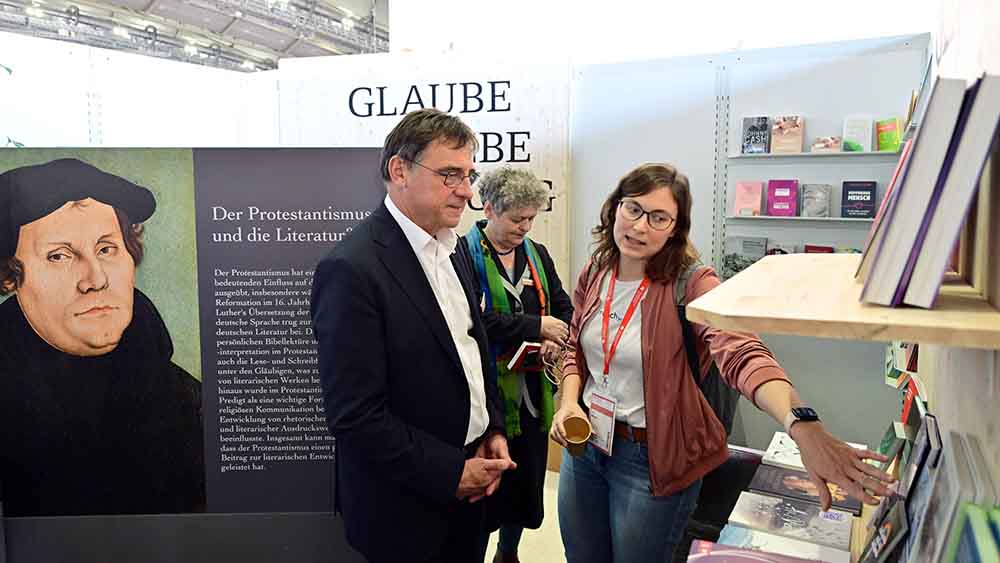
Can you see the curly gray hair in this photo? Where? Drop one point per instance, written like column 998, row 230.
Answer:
column 506, row 188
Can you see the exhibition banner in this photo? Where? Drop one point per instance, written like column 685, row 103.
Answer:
column 158, row 355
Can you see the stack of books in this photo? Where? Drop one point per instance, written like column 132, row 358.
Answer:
column 920, row 219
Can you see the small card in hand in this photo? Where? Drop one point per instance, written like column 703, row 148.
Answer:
column 526, row 358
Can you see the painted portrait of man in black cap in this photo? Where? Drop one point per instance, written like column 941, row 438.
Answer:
column 96, row 417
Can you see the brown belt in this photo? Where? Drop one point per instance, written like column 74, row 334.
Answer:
column 630, row 433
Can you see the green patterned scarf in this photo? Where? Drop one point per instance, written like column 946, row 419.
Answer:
column 496, row 299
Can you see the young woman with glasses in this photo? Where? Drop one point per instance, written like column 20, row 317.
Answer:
column 628, row 498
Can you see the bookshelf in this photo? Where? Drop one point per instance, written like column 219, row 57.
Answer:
column 818, row 296
column 891, row 156
column 796, row 219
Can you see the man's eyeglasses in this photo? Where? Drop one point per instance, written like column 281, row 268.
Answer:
column 658, row 220
column 452, row 178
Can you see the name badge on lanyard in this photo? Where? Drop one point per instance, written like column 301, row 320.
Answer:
column 602, row 407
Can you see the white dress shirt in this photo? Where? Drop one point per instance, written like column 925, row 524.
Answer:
column 434, row 254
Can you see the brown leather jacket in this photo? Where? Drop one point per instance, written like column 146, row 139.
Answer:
column 685, row 439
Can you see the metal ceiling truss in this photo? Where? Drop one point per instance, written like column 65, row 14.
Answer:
column 307, row 26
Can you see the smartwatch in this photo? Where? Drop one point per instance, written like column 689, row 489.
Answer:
column 799, row 414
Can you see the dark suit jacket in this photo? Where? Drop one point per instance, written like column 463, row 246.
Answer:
column 396, row 397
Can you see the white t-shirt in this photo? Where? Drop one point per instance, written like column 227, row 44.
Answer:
column 625, row 383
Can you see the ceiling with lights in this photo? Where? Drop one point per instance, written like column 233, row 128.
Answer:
column 246, row 35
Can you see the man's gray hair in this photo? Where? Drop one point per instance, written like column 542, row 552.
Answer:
column 508, row 188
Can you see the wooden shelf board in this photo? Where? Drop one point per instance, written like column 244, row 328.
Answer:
column 819, row 219
column 816, row 295
column 889, row 155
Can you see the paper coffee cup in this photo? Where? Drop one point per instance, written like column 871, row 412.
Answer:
column 577, row 434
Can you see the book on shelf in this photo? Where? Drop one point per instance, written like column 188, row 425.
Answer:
column 921, row 484
column 986, row 492
column 756, row 137
column 887, row 538
column 857, row 135
column 953, row 489
column 756, row 540
column 944, row 223
column 784, row 452
column 977, row 543
column 794, row 519
column 827, row 144
column 816, row 200
column 877, row 226
column 995, row 524
column 921, row 449
column 782, row 198
column 707, row 552
column 740, row 252
column 775, row 248
column 795, row 484
column 818, row 249
column 895, row 376
column 787, row 134
column 857, row 199
column 886, row 281
column 888, row 134
column 747, row 197
column 846, row 249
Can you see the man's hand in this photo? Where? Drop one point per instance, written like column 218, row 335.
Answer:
column 493, row 447
column 478, row 476
column 828, row 459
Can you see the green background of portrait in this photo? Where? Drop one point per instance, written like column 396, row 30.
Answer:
column 169, row 271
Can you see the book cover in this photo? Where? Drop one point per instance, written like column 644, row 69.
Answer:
column 921, row 445
column 953, row 488
column 707, row 552
column 871, row 242
column 888, row 537
column 857, row 134
column 747, row 198
column 844, row 249
column 756, row 135
column 775, row 248
column 795, row 484
column 904, row 219
column 858, row 199
column 784, row 452
column 888, row 134
column 818, row 249
column 526, row 357
column 960, row 186
column 976, row 543
column 894, row 376
column 738, row 536
column 787, row 134
column 782, row 198
column 826, row 144
column 794, row 519
column 816, row 200
column 916, row 504
column 741, row 252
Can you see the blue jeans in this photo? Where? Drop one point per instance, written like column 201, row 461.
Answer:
column 607, row 512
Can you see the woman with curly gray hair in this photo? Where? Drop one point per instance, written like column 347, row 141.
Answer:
column 524, row 301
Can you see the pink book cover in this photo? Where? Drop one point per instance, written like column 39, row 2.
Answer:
column 746, row 201
column 708, row 552
column 782, row 198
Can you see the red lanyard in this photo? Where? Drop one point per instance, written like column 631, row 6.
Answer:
column 639, row 292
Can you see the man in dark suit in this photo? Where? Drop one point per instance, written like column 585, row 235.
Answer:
column 402, row 351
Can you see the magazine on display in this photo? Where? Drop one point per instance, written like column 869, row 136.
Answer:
column 738, row 536
column 793, row 518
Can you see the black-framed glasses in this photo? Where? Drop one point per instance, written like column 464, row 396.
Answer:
column 658, row 220
column 452, row 178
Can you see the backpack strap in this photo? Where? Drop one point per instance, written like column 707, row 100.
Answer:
column 690, row 342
